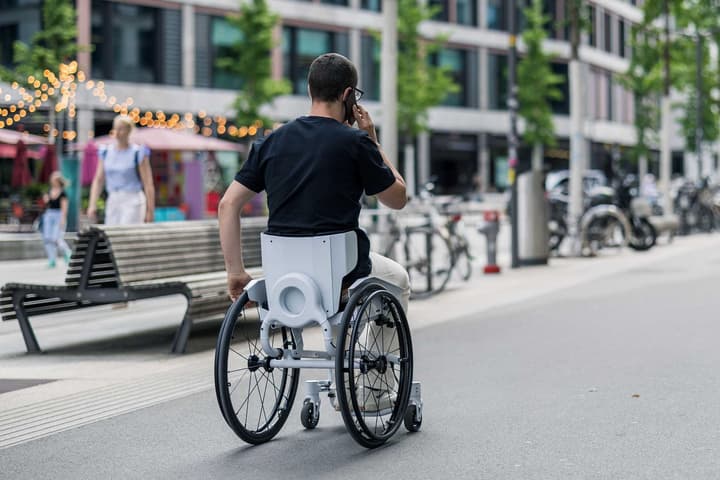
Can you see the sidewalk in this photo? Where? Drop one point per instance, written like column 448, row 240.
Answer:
column 103, row 362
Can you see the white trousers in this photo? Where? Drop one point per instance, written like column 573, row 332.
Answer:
column 393, row 272
column 385, row 338
column 125, row 208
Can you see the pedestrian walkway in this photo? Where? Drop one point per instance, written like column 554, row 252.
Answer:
column 95, row 356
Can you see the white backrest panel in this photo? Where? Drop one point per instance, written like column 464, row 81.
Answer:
column 325, row 259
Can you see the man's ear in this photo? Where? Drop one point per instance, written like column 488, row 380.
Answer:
column 346, row 93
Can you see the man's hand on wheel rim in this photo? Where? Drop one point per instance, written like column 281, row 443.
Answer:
column 237, row 283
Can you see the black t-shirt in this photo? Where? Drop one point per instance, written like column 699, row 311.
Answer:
column 314, row 170
column 54, row 203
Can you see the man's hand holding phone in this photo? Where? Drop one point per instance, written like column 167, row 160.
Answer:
column 364, row 121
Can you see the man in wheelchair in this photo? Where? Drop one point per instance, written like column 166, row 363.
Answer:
column 314, row 170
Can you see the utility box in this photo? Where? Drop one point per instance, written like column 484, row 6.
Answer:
column 533, row 248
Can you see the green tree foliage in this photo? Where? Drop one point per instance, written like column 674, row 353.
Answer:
column 48, row 48
column 644, row 80
column 420, row 84
column 690, row 17
column 250, row 60
column 537, row 84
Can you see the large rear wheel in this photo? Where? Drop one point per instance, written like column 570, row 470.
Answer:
column 254, row 398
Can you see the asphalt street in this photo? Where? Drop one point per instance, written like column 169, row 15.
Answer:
column 614, row 379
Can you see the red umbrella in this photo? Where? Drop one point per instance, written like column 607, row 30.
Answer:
column 49, row 164
column 89, row 163
column 20, row 173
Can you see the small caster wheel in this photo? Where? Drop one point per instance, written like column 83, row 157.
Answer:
column 309, row 417
column 412, row 422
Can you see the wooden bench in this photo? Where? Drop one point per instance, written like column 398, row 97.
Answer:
column 122, row 263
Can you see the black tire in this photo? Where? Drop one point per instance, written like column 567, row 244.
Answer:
column 428, row 274
column 557, row 232
column 412, row 422
column 644, row 235
column 308, row 417
column 462, row 260
column 239, row 354
column 705, row 220
column 356, row 364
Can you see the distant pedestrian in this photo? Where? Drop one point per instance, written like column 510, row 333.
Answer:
column 124, row 169
column 54, row 220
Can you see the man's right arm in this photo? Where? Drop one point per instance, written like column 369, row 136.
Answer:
column 395, row 196
column 231, row 204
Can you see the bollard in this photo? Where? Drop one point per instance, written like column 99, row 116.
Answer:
column 490, row 229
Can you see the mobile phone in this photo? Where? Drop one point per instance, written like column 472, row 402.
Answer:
column 349, row 103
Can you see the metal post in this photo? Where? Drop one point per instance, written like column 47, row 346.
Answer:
column 512, row 137
column 698, row 104
column 666, row 118
column 388, row 80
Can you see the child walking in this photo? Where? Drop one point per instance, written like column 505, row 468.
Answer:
column 54, row 220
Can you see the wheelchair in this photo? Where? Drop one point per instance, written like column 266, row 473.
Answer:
column 366, row 338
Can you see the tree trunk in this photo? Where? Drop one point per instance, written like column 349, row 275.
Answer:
column 642, row 168
column 577, row 140
column 538, row 159
column 409, row 173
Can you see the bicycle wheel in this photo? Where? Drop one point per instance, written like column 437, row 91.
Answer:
column 254, row 398
column 428, row 260
column 462, row 260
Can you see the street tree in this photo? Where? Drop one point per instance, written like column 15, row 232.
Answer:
column 420, row 84
column 50, row 47
column 537, row 85
column 644, row 79
column 250, row 61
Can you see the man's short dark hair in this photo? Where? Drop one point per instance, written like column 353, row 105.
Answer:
column 330, row 74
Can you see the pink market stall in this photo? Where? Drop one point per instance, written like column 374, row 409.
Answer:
column 185, row 170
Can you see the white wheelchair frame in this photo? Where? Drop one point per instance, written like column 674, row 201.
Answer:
column 302, row 286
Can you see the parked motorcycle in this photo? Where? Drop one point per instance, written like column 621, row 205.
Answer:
column 613, row 217
column 696, row 207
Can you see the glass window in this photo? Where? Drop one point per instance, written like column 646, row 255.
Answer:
column 550, row 11
column 562, row 107
column 609, row 97
column 374, row 5
column 466, row 12
column 497, row 15
column 223, row 35
column 622, row 38
column 370, row 68
column 343, row 3
column 441, row 9
column 301, row 46
column 127, row 40
column 592, row 30
column 8, row 36
column 608, row 33
column 497, row 81
column 456, row 62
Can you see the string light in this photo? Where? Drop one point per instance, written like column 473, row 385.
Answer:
column 65, row 84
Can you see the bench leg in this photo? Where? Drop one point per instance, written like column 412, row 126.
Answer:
column 182, row 334
column 31, row 343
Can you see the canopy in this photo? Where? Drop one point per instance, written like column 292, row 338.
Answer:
column 10, row 151
column 174, row 140
column 12, row 137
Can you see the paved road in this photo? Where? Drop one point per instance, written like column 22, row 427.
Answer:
column 616, row 379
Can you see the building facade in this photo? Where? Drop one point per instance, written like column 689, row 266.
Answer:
column 163, row 53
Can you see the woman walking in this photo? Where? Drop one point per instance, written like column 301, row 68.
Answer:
column 54, row 220
column 124, row 169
